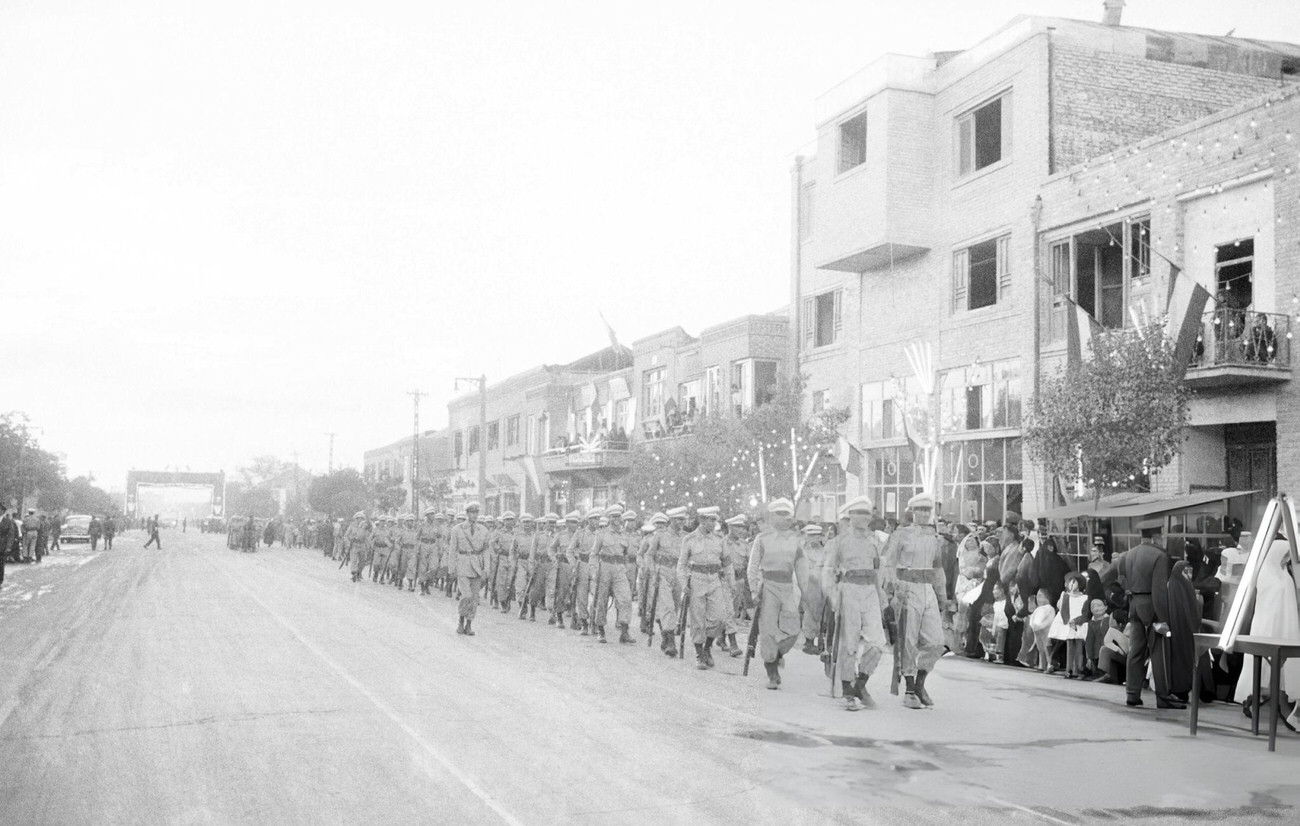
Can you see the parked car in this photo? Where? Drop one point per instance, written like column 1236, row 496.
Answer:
column 76, row 528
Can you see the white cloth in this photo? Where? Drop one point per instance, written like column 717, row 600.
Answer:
column 1277, row 614
column 1061, row 629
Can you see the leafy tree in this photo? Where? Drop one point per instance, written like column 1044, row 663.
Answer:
column 772, row 424
column 259, row 501
column 388, row 493
column 435, row 494
column 1113, row 420
column 83, row 496
column 339, row 494
column 25, row 468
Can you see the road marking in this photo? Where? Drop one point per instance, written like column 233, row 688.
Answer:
column 1030, row 811
column 465, row 780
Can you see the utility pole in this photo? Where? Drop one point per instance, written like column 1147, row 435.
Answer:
column 331, row 435
column 295, row 476
column 482, row 433
column 415, row 395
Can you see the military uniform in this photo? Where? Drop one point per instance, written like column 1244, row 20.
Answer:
column 776, row 570
column 1144, row 573
column 613, row 554
column 356, row 543
column 912, row 571
column 506, row 549
column 381, row 549
column 426, row 554
column 702, row 563
column 661, row 560
column 851, row 573
column 580, row 556
column 408, row 565
column 541, row 567
column 814, row 598
column 561, row 583
column 522, row 562
column 738, row 586
column 469, row 546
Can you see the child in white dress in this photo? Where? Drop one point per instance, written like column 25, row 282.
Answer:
column 1071, row 624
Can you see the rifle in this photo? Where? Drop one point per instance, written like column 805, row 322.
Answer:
column 831, row 657
column 496, row 570
column 648, row 622
column 751, row 646
column 681, row 617
column 595, row 596
column 527, row 599
column 900, row 615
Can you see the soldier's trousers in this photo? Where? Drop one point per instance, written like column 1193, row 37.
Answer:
column 358, row 559
column 583, row 573
column 666, row 607
column 522, row 571
column 613, row 580
column 920, row 627
column 541, row 584
column 379, row 562
column 505, row 578
column 561, row 586
column 1144, row 644
column 814, row 607
column 708, row 609
column 778, row 624
column 728, row 606
column 469, row 588
column 862, row 636
column 423, row 563
column 741, row 598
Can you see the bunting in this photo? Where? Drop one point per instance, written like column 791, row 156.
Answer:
column 1187, row 300
column 1081, row 333
column 850, row 458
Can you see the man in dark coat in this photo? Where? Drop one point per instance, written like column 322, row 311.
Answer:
column 1144, row 573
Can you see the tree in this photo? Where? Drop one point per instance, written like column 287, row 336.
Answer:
column 25, row 468
column 1114, row 420
column 259, row 501
column 84, row 497
column 339, row 494
column 773, row 424
column 388, row 493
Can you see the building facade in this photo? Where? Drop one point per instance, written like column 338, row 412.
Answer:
column 924, row 224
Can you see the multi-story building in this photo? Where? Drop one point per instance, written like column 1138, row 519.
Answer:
column 922, row 243
column 559, row 437
column 392, row 462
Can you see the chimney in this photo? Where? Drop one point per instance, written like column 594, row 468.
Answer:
column 1112, row 10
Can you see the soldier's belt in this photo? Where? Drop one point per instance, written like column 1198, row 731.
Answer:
column 702, row 568
column 409, row 546
column 861, row 576
column 778, row 576
column 584, row 557
column 612, row 558
column 918, row 576
column 666, row 559
column 503, row 553
column 543, row 558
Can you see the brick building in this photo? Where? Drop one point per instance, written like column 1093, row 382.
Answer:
column 919, row 227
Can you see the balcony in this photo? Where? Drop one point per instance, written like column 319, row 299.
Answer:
column 577, row 457
column 1240, row 348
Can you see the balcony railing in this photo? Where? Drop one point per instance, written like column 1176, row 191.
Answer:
column 1241, row 346
column 575, row 457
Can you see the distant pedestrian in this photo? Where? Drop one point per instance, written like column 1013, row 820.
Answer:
column 43, row 538
column 56, row 530
column 31, row 529
column 153, row 533
column 96, row 530
column 110, row 530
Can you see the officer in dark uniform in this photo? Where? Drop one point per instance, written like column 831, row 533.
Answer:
column 1144, row 573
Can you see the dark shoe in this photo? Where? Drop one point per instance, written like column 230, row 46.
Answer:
column 810, row 647
column 1107, row 679
column 1169, row 702
column 600, row 633
column 623, row 635
column 732, row 648
column 1133, row 701
column 700, row 662
column 573, row 623
column 460, row 626
column 586, row 629
column 708, row 652
column 773, row 676
column 469, row 628
column 921, row 693
column 551, row 621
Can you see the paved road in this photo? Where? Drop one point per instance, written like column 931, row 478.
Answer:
column 199, row 685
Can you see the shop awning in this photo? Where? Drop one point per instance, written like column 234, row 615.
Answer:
column 618, row 389
column 1122, row 505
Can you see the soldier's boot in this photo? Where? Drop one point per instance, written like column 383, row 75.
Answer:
column 851, row 701
column 586, row 628
column 551, row 621
column 910, row 700
column 532, row 613
column 732, row 648
column 921, row 693
column 573, row 623
column 708, row 651
column 773, row 676
column 410, row 585
column 700, row 661
column 469, row 628
column 460, row 625
column 523, row 611
column 860, row 689
column 600, row 632
column 623, row 635
column 670, row 644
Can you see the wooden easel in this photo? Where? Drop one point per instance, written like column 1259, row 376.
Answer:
column 1279, row 514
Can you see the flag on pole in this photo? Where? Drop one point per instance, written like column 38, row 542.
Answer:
column 850, row 458
column 1081, row 333
column 1187, row 300
column 613, row 339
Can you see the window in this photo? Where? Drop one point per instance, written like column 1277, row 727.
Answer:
column 881, row 417
column 458, row 443
column 853, row 142
column 494, row 436
column 981, row 274
column 821, row 401
column 473, row 439
column 822, row 319
column 980, row 397
column 764, row 382
column 652, row 382
column 982, row 478
column 713, row 391
column 806, row 193
column 530, row 436
column 742, row 377
column 984, row 135
column 1234, row 267
column 512, row 431
column 688, row 398
column 1097, row 270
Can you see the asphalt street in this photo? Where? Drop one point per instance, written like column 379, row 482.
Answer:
column 194, row 684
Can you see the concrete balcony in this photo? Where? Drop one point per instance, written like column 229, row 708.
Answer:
column 576, row 458
column 1241, row 348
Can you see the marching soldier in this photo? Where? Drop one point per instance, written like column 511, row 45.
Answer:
column 737, row 597
column 541, row 567
column 408, row 544
column 580, row 555
column 613, row 553
column 777, row 569
column 850, row 579
column 446, row 560
column 505, row 547
column 703, row 558
column 522, row 560
column 814, row 600
column 426, row 538
column 356, row 544
column 562, row 582
column 469, row 547
column 489, row 576
column 381, row 544
column 913, row 575
column 661, row 559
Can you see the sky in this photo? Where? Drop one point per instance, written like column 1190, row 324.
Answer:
column 228, row 229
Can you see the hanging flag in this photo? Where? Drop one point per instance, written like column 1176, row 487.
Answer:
column 1187, row 300
column 1081, row 333
column 613, row 339
column 530, row 467
column 850, row 458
